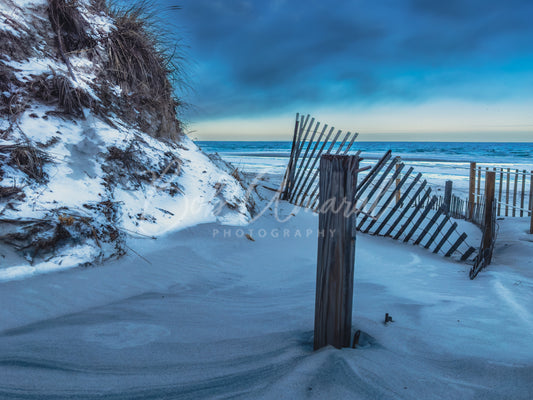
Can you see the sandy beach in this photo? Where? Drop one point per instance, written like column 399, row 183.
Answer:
column 207, row 313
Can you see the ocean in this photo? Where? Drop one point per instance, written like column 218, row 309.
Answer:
column 438, row 161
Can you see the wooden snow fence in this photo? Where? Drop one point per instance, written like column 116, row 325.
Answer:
column 300, row 184
column 513, row 192
column 391, row 199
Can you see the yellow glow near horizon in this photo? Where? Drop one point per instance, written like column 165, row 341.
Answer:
column 431, row 121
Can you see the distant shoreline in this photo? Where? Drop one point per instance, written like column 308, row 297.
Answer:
column 365, row 141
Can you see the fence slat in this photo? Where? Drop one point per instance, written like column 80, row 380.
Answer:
column 314, row 203
column 471, row 250
column 301, row 169
column 391, row 197
column 456, row 245
column 445, row 238
column 362, row 186
column 315, row 175
column 406, row 209
column 285, row 185
column 398, row 205
column 397, row 191
column 437, row 231
column 421, row 218
column 368, row 197
column 429, row 225
column 380, row 195
column 298, row 185
column 342, row 143
column 299, row 143
column 412, row 215
column 350, row 144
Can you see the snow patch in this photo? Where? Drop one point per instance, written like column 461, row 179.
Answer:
column 68, row 258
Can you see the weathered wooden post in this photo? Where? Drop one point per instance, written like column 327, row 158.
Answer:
column 336, row 250
column 488, row 230
column 471, row 190
column 531, row 203
column 447, row 197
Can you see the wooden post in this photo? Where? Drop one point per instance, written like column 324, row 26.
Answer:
column 471, row 190
column 507, row 194
column 530, row 205
column 500, row 193
column 447, row 197
column 336, row 250
column 478, row 184
column 522, row 197
column 516, row 176
column 490, row 180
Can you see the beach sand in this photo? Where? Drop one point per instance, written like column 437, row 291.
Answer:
column 208, row 313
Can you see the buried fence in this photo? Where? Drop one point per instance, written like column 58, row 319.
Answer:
column 493, row 192
column 391, row 199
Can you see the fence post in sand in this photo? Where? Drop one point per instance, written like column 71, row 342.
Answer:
column 489, row 210
column 447, row 197
column 336, row 250
column 471, row 190
column 531, row 203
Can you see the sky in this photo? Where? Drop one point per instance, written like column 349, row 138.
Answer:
column 454, row 70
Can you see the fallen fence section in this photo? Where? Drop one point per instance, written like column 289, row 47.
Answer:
column 391, row 199
column 394, row 201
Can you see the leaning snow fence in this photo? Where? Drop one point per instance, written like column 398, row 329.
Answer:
column 392, row 200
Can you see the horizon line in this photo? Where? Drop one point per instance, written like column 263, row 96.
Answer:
column 371, row 141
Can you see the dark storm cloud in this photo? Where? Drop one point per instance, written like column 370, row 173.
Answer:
column 256, row 56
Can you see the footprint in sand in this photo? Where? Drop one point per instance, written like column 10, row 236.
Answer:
column 120, row 335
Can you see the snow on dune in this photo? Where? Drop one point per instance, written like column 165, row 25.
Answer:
column 195, row 192
column 81, row 169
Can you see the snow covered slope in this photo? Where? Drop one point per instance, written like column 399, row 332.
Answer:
column 86, row 157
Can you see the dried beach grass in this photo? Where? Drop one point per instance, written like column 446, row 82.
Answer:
column 52, row 88
column 70, row 26
column 28, row 159
column 139, row 63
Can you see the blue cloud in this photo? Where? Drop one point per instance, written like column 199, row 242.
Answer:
column 257, row 57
